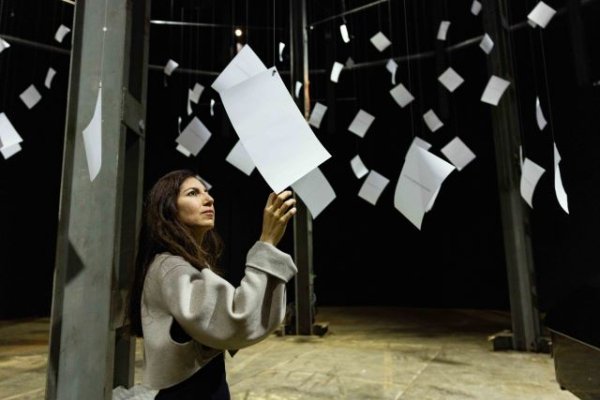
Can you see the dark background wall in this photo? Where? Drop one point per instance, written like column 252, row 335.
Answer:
column 364, row 254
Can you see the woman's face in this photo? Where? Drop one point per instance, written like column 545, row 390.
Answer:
column 195, row 207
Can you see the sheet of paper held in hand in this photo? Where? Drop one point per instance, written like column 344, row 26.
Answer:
column 268, row 122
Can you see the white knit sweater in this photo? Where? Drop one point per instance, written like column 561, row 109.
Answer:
column 215, row 314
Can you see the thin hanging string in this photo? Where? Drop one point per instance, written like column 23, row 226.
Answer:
column 104, row 29
column 547, row 86
column 247, row 23
column 390, row 31
column 407, row 52
column 274, row 39
column 453, row 107
column 5, row 85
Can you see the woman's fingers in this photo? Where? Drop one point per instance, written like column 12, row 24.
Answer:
column 281, row 198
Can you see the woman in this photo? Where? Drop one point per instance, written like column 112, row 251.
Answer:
column 186, row 313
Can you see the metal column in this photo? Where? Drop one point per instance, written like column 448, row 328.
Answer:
column 98, row 220
column 303, row 220
column 515, row 219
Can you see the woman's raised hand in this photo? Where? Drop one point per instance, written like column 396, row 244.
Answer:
column 279, row 210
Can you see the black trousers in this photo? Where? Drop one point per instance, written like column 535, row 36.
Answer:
column 209, row 383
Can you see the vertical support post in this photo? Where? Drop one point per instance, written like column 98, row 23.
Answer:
column 110, row 46
column 515, row 219
column 303, row 220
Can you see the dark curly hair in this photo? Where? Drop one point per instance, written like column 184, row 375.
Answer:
column 161, row 232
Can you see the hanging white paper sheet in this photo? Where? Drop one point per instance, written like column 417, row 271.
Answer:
column 297, row 89
column 494, row 90
column 239, row 158
column 8, row 134
column 358, row 167
column 392, row 67
column 458, row 153
column 281, row 48
column 3, row 45
column 317, row 114
column 61, row 32
column 443, row 30
column 539, row 115
column 195, row 93
column 194, row 136
column 243, row 66
column 475, row 7
column 335, row 71
column 419, row 183
column 559, row 189
column 49, row 77
column 30, row 96
column 272, row 129
column 486, row 44
column 315, row 191
column 541, row 14
column 530, row 175
column 372, row 187
column 432, row 121
column 401, row 95
column 361, row 123
column 170, row 67
column 344, row 33
column 380, row 41
column 450, row 79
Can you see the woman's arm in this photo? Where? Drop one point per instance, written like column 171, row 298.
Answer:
column 218, row 315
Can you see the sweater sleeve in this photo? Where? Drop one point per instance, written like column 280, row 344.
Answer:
column 218, row 315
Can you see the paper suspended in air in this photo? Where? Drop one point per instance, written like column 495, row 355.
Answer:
column 358, row 167
column 432, row 121
column 297, row 89
column 561, row 195
column 3, row 45
column 315, row 191
column 541, row 14
column 335, row 71
column 380, row 41
column 392, row 67
column 244, row 65
column 170, row 67
column 494, row 90
column 61, row 32
column 419, row 183
column 49, row 77
column 372, row 187
column 475, row 7
column 401, row 95
column 361, row 123
column 281, row 47
column 272, row 129
column 317, row 114
column 539, row 115
column 30, row 96
column 486, row 44
column 458, row 153
column 443, row 30
column 194, row 136
column 239, row 158
column 530, row 175
column 212, row 107
column 9, row 137
column 450, row 79
column 344, row 33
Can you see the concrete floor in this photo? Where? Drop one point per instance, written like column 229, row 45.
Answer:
column 368, row 353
